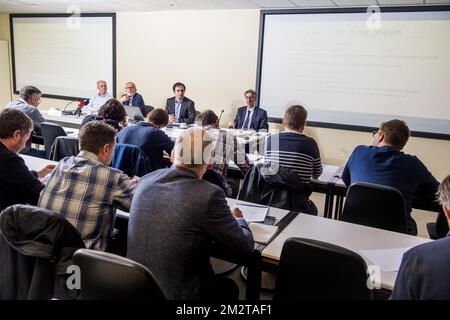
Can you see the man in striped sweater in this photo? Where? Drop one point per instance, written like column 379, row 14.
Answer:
column 292, row 149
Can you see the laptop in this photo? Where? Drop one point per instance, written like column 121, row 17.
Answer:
column 134, row 113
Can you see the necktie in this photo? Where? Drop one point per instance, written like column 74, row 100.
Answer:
column 247, row 120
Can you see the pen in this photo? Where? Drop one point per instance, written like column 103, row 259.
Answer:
column 250, row 205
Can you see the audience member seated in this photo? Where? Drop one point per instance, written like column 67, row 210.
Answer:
column 98, row 99
column 384, row 163
column 181, row 109
column 112, row 113
column 132, row 98
column 250, row 116
column 85, row 190
column 294, row 150
column 177, row 219
column 148, row 136
column 424, row 271
column 30, row 98
column 18, row 184
column 226, row 147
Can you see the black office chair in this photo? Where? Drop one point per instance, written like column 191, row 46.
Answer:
column 375, row 206
column 49, row 132
column 112, row 277
column 315, row 270
column 148, row 109
column 439, row 229
column 64, row 147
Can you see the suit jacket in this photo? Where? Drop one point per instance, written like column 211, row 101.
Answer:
column 259, row 119
column 424, row 272
column 187, row 112
column 175, row 221
column 138, row 101
column 18, row 184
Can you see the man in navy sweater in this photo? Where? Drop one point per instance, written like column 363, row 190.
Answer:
column 384, row 163
column 149, row 137
column 424, row 272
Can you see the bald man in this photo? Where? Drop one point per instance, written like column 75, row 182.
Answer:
column 99, row 98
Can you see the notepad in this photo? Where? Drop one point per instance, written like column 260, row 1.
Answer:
column 388, row 259
column 262, row 233
column 253, row 212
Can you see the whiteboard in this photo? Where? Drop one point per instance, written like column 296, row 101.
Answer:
column 357, row 69
column 63, row 56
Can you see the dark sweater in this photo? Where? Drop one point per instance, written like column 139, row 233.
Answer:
column 17, row 183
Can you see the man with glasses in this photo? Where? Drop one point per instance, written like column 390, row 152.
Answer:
column 250, row 116
column 132, row 98
column 384, row 163
column 30, row 98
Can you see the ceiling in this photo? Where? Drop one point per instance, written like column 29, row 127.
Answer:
column 68, row 6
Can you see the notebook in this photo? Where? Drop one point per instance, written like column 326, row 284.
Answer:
column 263, row 233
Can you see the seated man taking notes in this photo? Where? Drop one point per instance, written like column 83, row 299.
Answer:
column 85, row 190
column 18, row 184
column 177, row 219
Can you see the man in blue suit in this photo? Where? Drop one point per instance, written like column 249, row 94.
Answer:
column 425, row 270
column 250, row 116
column 181, row 109
column 132, row 98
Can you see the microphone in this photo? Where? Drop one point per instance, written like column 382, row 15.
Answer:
column 81, row 104
column 64, row 112
column 221, row 113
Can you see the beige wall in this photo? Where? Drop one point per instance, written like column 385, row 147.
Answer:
column 212, row 52
column 215, row 54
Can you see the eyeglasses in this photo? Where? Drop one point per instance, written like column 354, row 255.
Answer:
column 374, row 132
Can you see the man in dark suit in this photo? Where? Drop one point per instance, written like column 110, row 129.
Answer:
column 250, row 116
column 132, row 98
column 180, row 108
column 424, row 272
column 177, row 220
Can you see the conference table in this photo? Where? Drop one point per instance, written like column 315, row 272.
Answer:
column 377, row 247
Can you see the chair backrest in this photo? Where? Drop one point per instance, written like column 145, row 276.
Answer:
column 131, row 159
column 282, row 189
column 148, row 109
column 375, row 206
column 109, row 276
column 315, row 270
column 64, row 147
column 37, row 246
column 49, row 132
column 86, row 119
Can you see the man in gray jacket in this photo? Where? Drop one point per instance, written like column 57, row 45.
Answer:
column 177, row 219
column 30, row 98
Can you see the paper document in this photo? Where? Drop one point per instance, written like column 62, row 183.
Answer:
column 253, row 212
column 388, row 259
column 263, row 233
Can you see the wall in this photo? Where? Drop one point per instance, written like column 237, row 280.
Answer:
column 214, row 53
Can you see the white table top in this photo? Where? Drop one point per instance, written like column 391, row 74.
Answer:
column 274, row 212
column 62, row 119
column 34, row 163
column 351, row 236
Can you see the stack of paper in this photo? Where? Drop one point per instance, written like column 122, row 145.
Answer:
column 252, row 212
column 263, row 233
